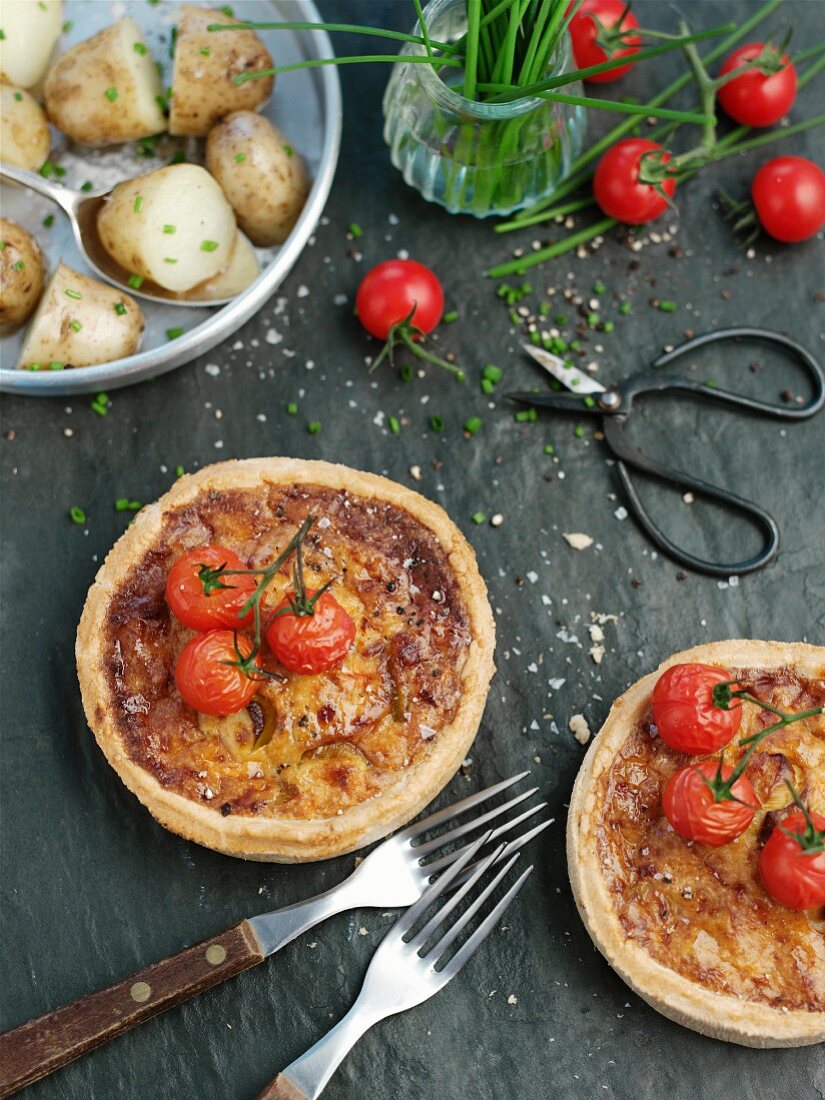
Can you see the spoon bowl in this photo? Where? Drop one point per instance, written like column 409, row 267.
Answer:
column 82, row 208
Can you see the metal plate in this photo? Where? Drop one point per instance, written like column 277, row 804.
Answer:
column 306, row 105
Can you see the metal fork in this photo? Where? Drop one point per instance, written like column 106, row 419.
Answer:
column 393, row 875
column 402, row 973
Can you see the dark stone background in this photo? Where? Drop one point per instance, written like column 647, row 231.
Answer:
column 93, row 889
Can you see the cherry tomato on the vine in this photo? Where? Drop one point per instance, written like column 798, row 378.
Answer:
column 684, row 711
column 393, row 290
column 616, row 184
column 207, row 676
column 308, row 644
column 220, row 607
column 690, row 807
column 793, row 876
column 754, row 99
column 789, row 197
column 585, row 30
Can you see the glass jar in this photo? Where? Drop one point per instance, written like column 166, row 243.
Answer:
column 476, row 158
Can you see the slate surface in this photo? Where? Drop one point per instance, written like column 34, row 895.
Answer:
column 93, row 889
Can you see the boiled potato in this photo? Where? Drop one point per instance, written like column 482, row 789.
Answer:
column 21, row 273
column 173, row 226
column 24, row 130
column 205, row 63
column 80, row 322
column 263, row 177
column 30, row 30
column 105, row 90
column 243, row 269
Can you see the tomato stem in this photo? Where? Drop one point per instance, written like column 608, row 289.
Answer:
column 812, row 840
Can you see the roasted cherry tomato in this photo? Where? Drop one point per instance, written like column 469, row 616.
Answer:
column 754, row 99
column 207, row 674
column 794, row 875
column 789, row 196
column 684, row 711
column 392, row 291
column 616, row 185
column 597, row 18
column 691, row 809
column 193, row 606
column 311, row 643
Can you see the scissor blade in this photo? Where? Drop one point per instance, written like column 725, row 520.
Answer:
column 575, row 380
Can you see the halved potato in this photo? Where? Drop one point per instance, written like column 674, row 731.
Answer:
column 173, row 226
column 243, row 269
column 30, row 30
column 261, row 174
column 80, row 322
column 24, row 129
column 21, row 273
column 205, row 64
column 107, row 89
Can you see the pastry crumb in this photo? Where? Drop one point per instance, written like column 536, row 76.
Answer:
column 579, row 728
column 577, row 539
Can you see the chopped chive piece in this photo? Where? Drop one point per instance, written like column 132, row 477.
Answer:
column 589, row 402
column 59, row 172
column 123, row 504
column 42, row 5
column 227, row 10
column 394, row 425
column 55, row 365
column 492, row 373
column 625, row 308
column 711, row 384
column 535, row 337
column 178, row 157
column 73, row 294
column 406, row 372
column 18, row 96
column 169, row 260
column 560, row 319
column 172, row 41
column 135, row 281
column 33, row 366
column 578, row 431
column 140, row 49
column 75, row 326
column 169, row 229
column 87, row 186
column 174, row 333
column 487, row 386
column 292, row 408
column 544, row 309
column 163, row 103
column 138, row 204
column 179, row 471
column 472, row 425
column 205, row 51
column 209, row 246
column 314, row 427
column 19, row 265
column 67, row 26
column 449, row 317
column 667, row 305
column 48, row 221
column 478, row 517
column 288, row 150
column 47, row 168
column 526, row 416
column 549, row 449
column 592, row 319
column 111, row 94
column 99, row 407
column 599, row 287
column 240, row 158
column 609, row 326
column 77, row 515
column 119, row 308
column 355, row 229
column 436, row 424
column 2, row 35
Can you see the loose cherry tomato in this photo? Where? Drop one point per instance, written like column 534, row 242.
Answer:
column 789, row 196
column 601, row 18
column 198, row 609
column 754, row 99
column 207, row 677
column 684, row 711
column 392, row 290
column 793, row 875
column 616, row 183
column 693, row 812
column 311, row 643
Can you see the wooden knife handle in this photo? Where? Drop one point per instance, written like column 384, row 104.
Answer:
column 36, row 1048
column 281, row 1089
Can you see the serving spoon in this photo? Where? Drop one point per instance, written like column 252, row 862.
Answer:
column 82, row 208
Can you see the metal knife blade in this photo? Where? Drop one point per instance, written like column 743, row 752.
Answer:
column 571, row 377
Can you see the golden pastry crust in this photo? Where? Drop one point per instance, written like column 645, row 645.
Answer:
column 237, row 827
column 716, row 992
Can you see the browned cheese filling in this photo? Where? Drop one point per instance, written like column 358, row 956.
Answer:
column 307, row 746
column 703, row 911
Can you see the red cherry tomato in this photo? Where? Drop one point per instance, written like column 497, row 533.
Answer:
column 754, row 99
column 616, row 183
column 584, row 30
column 206, row 677
column 192, row 606
column 684, row 711
column 311, row 643
column 690, row 807
column 792, row 876
column 789, row 196
column 391, row 291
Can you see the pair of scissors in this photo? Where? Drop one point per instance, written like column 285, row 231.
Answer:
column 615, row 405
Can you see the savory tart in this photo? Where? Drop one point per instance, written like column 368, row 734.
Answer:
column 693, row 925
column 324, row 715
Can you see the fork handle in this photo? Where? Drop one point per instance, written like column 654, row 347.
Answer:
column 38, row 1047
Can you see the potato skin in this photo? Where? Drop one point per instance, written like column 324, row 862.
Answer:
column 268, row 186
column 202, row 88
column 76, row 89
column 81, row 328
column 25, row 140
column 20, row 287
column 182, row 199
column 30, row 30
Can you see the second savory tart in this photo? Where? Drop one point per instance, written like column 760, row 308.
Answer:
column 691, row 928
column 318, row 764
